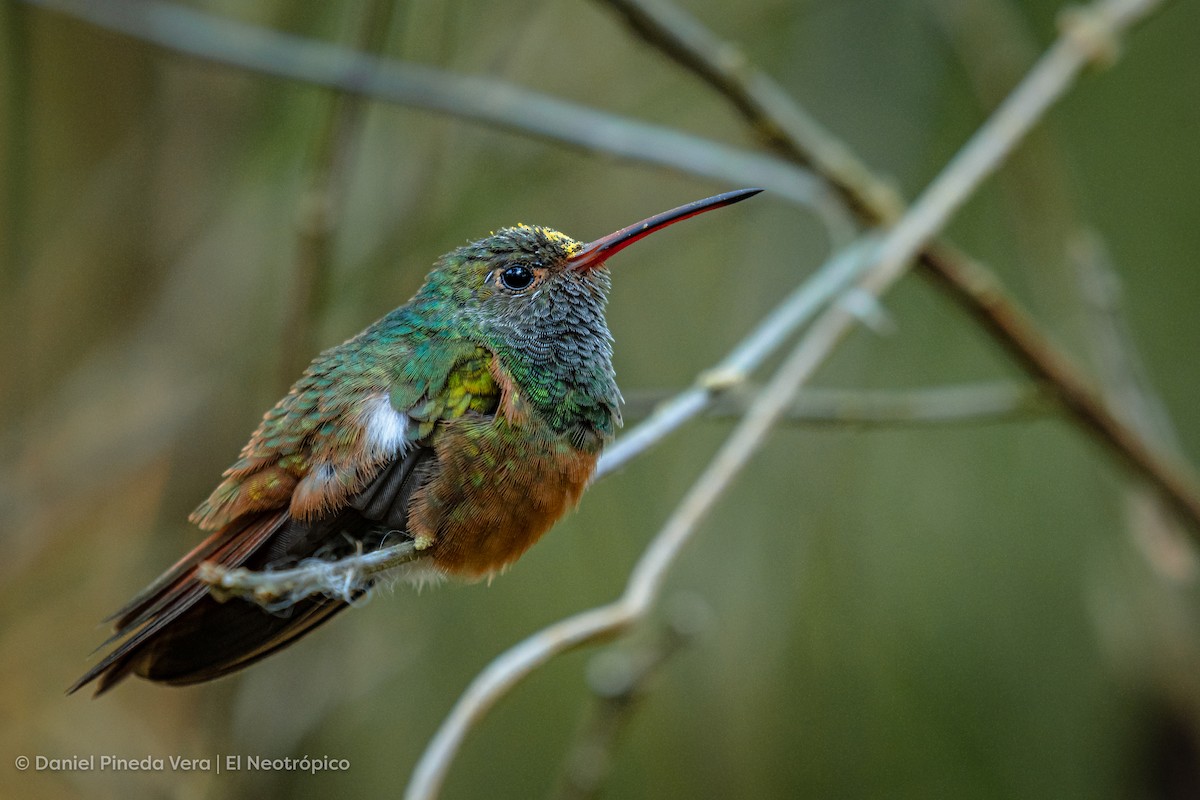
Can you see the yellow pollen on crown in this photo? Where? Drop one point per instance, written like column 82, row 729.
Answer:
column 566, row 242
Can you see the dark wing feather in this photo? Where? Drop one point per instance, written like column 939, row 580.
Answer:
column 175, row 632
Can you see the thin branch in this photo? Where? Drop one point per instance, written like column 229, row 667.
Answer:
column 1044, row 85
column 345, row 578
column 1088, row 35
column 795, row 311
column 783, row 124
column 485, row 100
column 967, row 403
column 1172, row 477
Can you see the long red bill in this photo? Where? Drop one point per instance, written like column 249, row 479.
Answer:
column 596, row 253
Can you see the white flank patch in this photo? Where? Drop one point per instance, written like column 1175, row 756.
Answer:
column 384, row 426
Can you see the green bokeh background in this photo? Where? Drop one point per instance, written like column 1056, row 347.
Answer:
column 946, row 611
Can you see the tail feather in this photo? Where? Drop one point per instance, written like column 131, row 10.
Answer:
column 144, row 619
column 148, row 597
column 211, row 639
column 175, row 631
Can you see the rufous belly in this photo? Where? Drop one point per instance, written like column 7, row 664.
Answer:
column 494, row 492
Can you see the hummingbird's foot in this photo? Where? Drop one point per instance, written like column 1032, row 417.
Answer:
column 346, row 578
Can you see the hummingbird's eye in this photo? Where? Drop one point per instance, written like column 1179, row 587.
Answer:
column 517, row 278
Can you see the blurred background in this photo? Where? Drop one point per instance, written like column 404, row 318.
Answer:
column 989, row 608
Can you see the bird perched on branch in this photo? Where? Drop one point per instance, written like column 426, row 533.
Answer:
column 464, row 424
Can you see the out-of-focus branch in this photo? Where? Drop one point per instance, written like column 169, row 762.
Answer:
column 1173, row 478
column 967, row 403
column 619, row 678
column 1115, row 354
column 782, row 123
column 485, row 100
column 320, row 205
column 1049, row 79
column 1089, row 34
column 1035, row 187
column 1156, row 532
column 1048, row 229
column 794, row 312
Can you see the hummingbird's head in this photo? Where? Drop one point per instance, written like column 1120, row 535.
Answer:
column 524, row 294
column 530, row 294
column 536, row 298
column 521, row 278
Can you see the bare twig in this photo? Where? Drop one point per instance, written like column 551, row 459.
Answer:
column 345, row 578
column 1173, row 478
column 1043, row 213
column 1088, row 35
column 1042, row 87
column 971, row 403
column 795, row 311
column 485, row 100
column 784, row 124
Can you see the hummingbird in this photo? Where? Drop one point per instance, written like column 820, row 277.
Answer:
column 467, row 421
